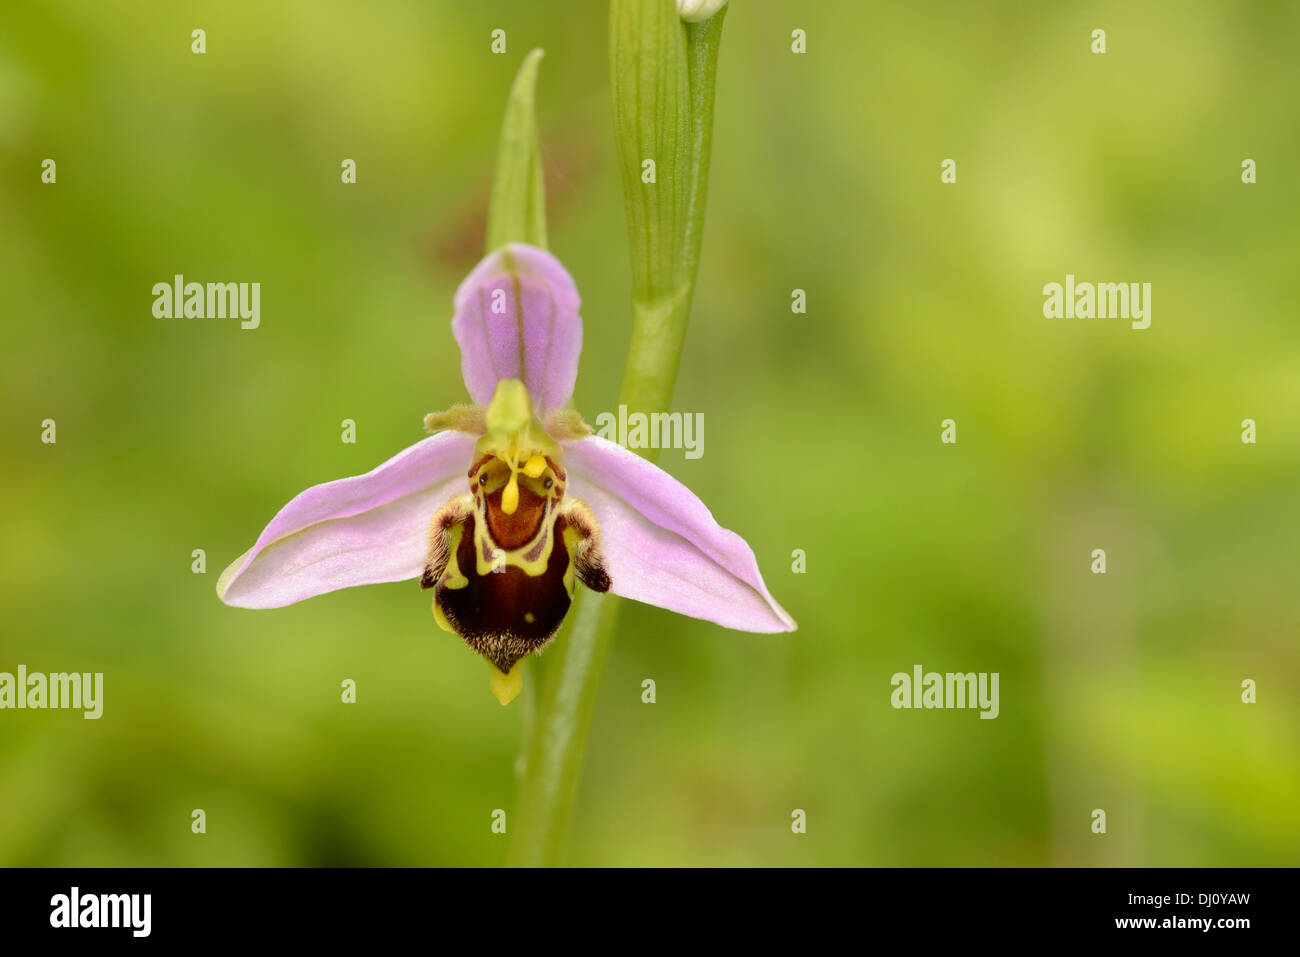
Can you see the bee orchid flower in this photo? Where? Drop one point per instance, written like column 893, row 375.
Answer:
column 512, row 500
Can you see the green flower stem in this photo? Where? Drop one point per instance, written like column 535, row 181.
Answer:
column 663, row 79
column 563, row 682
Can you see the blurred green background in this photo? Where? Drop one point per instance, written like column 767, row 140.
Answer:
column 1119, row 692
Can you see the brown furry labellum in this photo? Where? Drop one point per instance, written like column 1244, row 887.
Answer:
column 503, row 559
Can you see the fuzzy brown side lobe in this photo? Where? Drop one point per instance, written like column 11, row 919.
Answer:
column 446, row 517
column 588, row 559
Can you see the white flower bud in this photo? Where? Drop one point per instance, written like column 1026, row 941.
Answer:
column 693, row 11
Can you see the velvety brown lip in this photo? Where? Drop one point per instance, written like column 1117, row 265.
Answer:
column 508, row 614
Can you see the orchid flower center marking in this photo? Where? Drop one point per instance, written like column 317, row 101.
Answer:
column 505, row 558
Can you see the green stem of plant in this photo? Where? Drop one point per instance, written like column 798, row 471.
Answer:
column 663, row 81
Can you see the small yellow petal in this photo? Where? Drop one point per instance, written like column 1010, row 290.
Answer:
column 535, row 466
column 506, row 686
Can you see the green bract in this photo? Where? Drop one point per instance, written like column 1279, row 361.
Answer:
column 517, row 208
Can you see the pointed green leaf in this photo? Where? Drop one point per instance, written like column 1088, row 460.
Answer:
column 517, row 208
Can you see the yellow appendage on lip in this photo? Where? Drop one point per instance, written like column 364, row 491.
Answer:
column 510, row 495
column 506, row 686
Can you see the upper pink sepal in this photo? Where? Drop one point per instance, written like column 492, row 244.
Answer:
column 517, row 318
